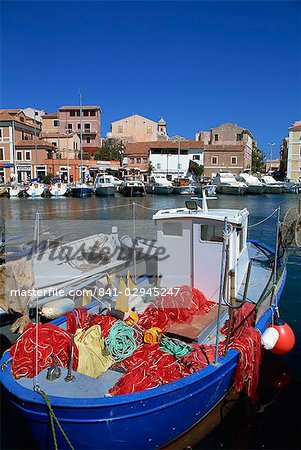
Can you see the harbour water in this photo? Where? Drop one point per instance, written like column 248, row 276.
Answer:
column 273, row 419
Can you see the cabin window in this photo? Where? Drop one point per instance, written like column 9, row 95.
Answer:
column 212, row 232
column 240, row 235
column 172, row 229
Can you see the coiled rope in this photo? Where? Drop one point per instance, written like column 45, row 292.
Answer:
column 174, row 347
column 121, row 341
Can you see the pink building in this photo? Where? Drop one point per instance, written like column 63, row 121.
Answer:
column 69, row 121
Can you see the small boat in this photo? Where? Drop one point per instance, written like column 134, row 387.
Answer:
column 227, row 184
column 183, row 186
column 210, row 189
column 159, row 184
column 254, row 185
column 114, row 378
column 271, row 186
column 132, row 186
column 13, row 190
column 104, row 185
column 57, row 188
column 81, row 190
column 34, row 189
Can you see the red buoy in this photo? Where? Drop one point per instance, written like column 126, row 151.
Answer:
column 286, row 339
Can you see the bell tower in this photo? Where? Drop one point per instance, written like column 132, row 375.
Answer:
column 162, row 128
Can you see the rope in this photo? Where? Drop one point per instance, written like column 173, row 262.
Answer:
column 262, row 221
column 174, row 347
column 53, row 418
column 121, row 341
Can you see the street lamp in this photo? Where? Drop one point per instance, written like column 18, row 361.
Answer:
column 271, row 149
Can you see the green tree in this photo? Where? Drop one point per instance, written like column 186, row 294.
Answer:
column 47, row 178
column 257, row 160
column 97, row 156
column 112, row 149
column 150, row 168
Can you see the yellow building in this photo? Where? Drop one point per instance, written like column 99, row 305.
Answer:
column 294, row 152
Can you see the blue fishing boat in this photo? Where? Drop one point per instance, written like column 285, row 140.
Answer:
column 81, row 190
column 230, row 288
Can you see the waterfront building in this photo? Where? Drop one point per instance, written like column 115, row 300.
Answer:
column 34, row 114
column 271, row 165
column 228, row 147
column 67, row 144
column 137, row 128
column 69, row 122
column 172, row 158
column 22, row 152
column 294, row 152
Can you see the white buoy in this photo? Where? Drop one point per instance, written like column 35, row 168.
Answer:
column 269, row 338
column 57, row 308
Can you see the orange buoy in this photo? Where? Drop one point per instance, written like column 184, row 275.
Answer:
column 286, row 339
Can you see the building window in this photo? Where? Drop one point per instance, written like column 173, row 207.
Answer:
column 149, row 130
column 19, row 156
column 214, row 160
column 70, row 127
column 78, row 126
column 86, row 113
column 87, row 127
column 93, row 113
column 72, row 113
column 120, row 129
column 138, row 160
column 2, row 154
column 300, row 151
column 56, row 123
column 158, row 165
column 216, row 137
column 144, row 160
column 27, row 156
column 88, row 140
column 196, row 157
column 233, row 160
column 53, row 143
column 239, row 137
column 132, row 160
column 78, row 113
column 0, row 132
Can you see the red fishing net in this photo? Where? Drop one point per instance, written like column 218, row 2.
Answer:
column 49, row 342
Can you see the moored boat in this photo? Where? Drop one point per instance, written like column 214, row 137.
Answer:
column 13, row 190
column 254, row 185
column 185, row 361
column 104, row 185
column 3, row 191
column 159, row 184
column 271, row 186
column 183, row 186
column 34, row 189
column 132, row 186
column 227, row 184
column 57, row 188
column 81, row 190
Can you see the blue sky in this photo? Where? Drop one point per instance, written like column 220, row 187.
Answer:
column 196, row 63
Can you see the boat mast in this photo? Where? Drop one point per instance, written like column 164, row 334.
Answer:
column 179, row 152
column 81, row 138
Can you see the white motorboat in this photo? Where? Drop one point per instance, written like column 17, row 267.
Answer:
column 13, row 190
column 34, row 189
column 254, row 185
column 104, row 185
column 132, row 186
column 271, row 186
column 227, row 184
column 183, row 186
column 159, row 184
column 57, row 188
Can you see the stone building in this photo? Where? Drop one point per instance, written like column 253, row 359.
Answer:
column 294, row 152
column 137, row 128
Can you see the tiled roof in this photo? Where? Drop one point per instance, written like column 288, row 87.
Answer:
column 49, row 116
column 5, row 117
column 62, row 108
column 33, row 143
column 143, row 148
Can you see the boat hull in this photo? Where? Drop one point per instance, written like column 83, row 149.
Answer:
column 254, row 190
column 13, row 191
column 230, row 190
column 105, row 191
column 183, row 190
column 273, row 189
column 132, row 191
column 160, row 190
column 81, row 192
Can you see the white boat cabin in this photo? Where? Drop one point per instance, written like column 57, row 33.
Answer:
column 193, row 243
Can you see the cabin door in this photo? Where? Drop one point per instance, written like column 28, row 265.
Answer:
column 207, row 251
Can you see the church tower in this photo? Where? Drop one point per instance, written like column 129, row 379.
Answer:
column 162, row 133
